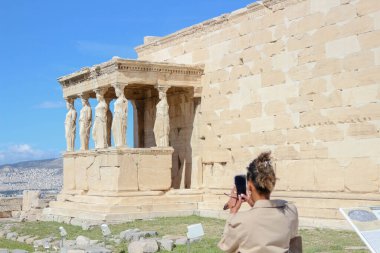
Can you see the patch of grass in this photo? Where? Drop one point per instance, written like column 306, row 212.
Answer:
column 314, row 240
column 8, row 244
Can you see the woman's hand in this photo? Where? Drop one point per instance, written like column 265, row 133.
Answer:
column 234, row 203
column 236, row 207
column 247, row 198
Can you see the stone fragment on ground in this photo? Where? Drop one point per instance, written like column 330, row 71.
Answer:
column 82, row 242
column 12, row 236
column 166, row 244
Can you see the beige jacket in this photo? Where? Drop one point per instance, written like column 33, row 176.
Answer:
column 267, row 227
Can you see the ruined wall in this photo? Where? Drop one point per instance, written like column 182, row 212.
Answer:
column 298, row 77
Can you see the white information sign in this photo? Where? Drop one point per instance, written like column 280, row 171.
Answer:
column 366, row 223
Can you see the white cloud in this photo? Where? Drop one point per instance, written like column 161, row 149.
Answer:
column 51, row 105
column 24, row 152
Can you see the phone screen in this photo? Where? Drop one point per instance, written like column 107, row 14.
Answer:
column 241, row 184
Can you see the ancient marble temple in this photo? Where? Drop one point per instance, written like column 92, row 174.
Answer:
column 164, row 97
column 297, row 77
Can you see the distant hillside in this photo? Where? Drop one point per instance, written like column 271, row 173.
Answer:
column 55, row 163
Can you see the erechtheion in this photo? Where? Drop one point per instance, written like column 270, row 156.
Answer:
column 298, row 77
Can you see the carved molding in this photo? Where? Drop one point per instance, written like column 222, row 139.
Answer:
column 254, row 9
column 118, row 65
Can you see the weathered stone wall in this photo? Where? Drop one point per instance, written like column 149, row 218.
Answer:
column 9, row 205
column 298, row 77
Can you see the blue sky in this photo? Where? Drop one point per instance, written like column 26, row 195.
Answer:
column 41, row 40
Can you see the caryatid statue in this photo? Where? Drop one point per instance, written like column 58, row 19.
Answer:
column 85, row 119
column 161, row 125
column 99, row 131
column 70, row 124
column 119, row 122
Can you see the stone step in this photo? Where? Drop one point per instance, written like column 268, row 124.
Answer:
column 134, row 207
column 130, row 200
column 111, row 217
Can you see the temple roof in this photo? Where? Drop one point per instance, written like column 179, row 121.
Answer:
column 132, row 73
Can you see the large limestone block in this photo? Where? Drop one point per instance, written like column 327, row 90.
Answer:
column 82, row 163
column 109, row 178
column 251, row 110
column 301, row 72
column 327, row 67
column 299, row 42
column 69, row 173
column 315, row 117
column 262, row 124
column 244, row 95
column 307, row 23
column 329, row 175
column 154, row 172
column 284, row 61
column 298, row 10
column 275, row 107
column 270, row 78
column 300, row 104
column 299, row 135
column 329, row 133
column 362, row 175
column 216, row 155
column 93, row 176
column 323, row 5
column 217, row 175
column 360, row 60
column 367, row 6
column 354, row 148
column 358, row 25
column 30, row 199
column 340, row 48
column 286, row 152
column 127, row 180
column 278, row 92
column 340, row 13
column 334, row 99
column 301, row 175
column 360, row 95
column 363, row 130
column 313, row 151
column 286, row 121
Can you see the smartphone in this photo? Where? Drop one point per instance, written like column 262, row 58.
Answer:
column 241, row 184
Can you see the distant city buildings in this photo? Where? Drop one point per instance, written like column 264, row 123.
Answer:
column 14, row 180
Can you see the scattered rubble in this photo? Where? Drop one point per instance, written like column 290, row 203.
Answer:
column 138, row 242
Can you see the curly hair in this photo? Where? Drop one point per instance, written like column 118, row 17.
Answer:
column 261, row 173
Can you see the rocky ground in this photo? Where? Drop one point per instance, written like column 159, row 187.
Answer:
column 137, row 240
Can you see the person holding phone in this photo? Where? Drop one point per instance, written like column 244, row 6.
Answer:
column 269, row 225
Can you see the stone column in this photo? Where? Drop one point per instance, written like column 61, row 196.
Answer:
column 162, row 125
column 85, row 120
column 119, row 122
column 99, row 131
column 138, row 122
column 109, row 121
column 70, row 124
